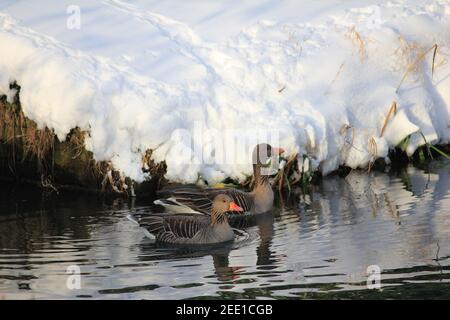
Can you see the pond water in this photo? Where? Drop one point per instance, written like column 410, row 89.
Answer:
column 314, row 245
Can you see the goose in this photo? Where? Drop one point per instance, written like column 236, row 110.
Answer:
column 191, row 229
column 195, row 199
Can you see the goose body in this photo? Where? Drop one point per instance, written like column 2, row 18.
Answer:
column 195, row 199
column 186, row 229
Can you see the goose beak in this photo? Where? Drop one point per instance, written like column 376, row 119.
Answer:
column 235, row 207
column 277, row 151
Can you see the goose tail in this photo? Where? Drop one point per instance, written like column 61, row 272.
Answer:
column 132, row 218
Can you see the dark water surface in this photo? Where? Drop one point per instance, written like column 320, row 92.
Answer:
column 317, row 245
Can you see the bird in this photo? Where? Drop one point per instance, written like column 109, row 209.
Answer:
column 192, row 229
column 195, row 199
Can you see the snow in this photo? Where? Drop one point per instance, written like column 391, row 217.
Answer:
column 198, row 80
column 398, row 128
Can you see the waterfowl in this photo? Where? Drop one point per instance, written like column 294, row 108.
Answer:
column 195, row 199
column 193, row 229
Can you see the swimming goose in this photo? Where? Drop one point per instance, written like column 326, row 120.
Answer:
column 195, row 199
column 193, row 228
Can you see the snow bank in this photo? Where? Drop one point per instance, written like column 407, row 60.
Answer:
column 323, row 86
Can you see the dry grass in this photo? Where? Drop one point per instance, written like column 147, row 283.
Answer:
column 151, row 167
column 76, row 139
column 407, row 53
column 372, row 148
column 413, row 67
column 356, row 38
column 392, row 111
column 38, row 143
column 338, row 73
column 112, row 178
column 24, row 134
column 282, row 177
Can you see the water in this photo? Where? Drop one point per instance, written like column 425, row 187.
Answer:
column 316, row 245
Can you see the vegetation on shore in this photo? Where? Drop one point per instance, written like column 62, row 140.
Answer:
column 32, row 154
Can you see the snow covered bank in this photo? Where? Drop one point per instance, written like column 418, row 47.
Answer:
column 325, row 86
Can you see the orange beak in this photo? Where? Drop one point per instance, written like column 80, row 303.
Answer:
column 277, row 151
column 235, row 207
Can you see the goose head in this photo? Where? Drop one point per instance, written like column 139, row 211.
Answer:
column 223, row 203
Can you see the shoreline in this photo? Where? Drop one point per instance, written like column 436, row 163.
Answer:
column 33, row 156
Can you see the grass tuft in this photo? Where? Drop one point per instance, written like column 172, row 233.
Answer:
column 430, row 146
column 414, row 65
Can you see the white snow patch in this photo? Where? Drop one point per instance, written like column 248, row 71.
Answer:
column 398, row 128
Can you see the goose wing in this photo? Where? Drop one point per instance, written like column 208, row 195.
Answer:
column 184, row 197
column 174, row 227
column 192, row 197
